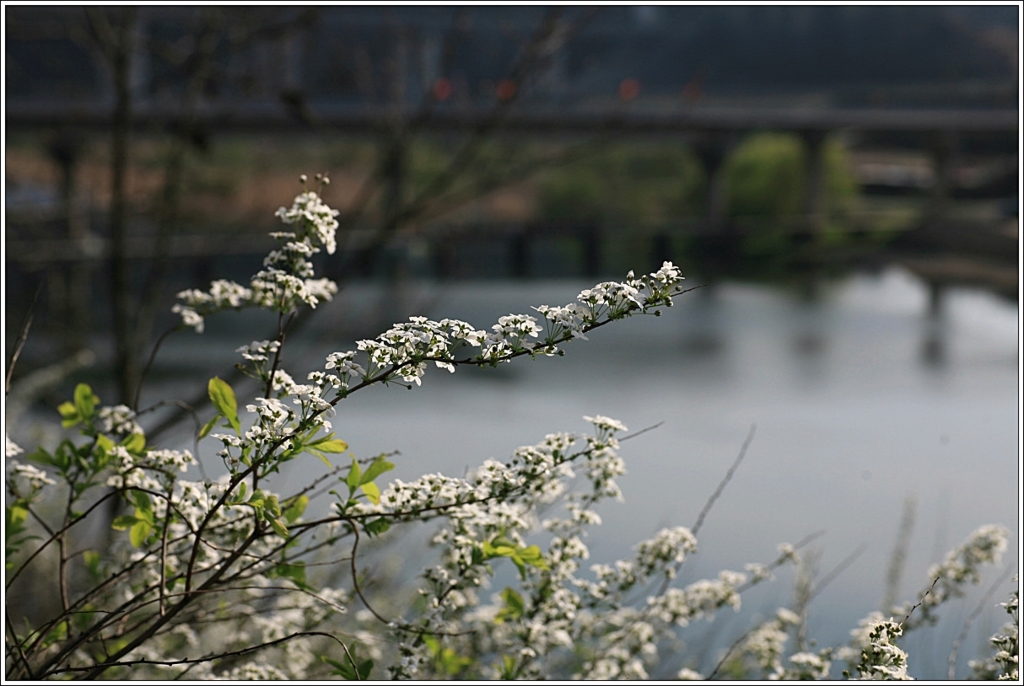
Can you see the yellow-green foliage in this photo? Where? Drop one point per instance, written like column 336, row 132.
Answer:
column 765, row 177
column 634, row 183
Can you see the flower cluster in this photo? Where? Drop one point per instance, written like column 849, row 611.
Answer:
column 313, row 221
column 880, row 658
column 403, row 351
column 36, row 478
column 119, row 421
column 286, row 281
column 1004, row 665
column 10, row 447
column 962, row 566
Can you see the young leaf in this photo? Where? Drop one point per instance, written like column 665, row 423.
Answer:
column 296, row 571
column 122, row 522
column 296, row 508
column 353, row 477
column 208, row 427
column 92, row 562
column 85, row 400
column 42, row 457
column 279, row 527
column 70, row 415
column 104, row 444
column 514, row 606
column 376, row 468
column 135, row 444
column 334, row 445
column 139, row 533
column 142, row 501
column 372, row 492
column 223, row 398
column 319, row 455
column 508, row 668
column 377, row 526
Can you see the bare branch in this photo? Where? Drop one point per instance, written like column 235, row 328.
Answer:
column 725, row 481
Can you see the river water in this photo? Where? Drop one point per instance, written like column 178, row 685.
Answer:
column 860, row 398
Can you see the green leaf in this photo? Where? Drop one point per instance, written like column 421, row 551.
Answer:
column 533, row 556
column 135, row 444
column 295, row 508
column 208, row 427
column 329, row 444
column 70, row 415
column 92, row 562
column 377, row 526
column 508, row 668
column 319, row 455
column 144, row 516
column 372, row 492
column 104, row 452
column 296, row 571
column 342, row 669
column 122, row 522
column 85, row 401
column 223, row 398
column 142, row 501
column 345, row 670
column 376, row 468
column 354, row 475
column 139, row 533
column 279, row 527
column 364, row 669
column 16, row 514
column 514, row 606
column 41, row 456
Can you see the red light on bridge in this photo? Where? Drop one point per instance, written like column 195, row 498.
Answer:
column 443, row 89
column 629, row 89
column 505, row 89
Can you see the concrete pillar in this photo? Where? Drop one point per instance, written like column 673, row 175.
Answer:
column 712, row 150
column 74, row 300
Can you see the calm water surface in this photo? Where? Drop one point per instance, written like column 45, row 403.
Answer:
column 860, row 399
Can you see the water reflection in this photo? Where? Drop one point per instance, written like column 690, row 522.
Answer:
column 704, row 337
column 933, row 346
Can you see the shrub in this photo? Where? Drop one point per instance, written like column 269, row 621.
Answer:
column 221, row 577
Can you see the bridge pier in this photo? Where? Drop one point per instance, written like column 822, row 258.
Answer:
column 712, row 150
column 70, row 290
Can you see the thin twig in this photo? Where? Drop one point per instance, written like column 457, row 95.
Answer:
column 839, row 569
column 17, row 644
column 899, row 553
column 149, row 362
column 185, row 661
column 919, row 602
column 22, row 337
column 739, row 641
column 642, row 431
column 725, row 480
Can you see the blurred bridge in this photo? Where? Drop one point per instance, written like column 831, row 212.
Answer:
column 273, row 117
